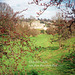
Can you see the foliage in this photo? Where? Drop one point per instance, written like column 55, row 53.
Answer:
column 25, row 30
column 6, row 13
column 63, row 29
column 32, row 72
column 68, row 63
column 39, row 48
column 51, row 30
column 19, row 53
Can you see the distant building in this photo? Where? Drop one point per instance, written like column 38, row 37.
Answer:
column 35, row 24
column 38, row 25
column 45, row 28
column 23, row 23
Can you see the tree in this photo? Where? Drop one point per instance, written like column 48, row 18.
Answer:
column 8, row 18
column 6, row 13
column 5, row 9
column 69, row 5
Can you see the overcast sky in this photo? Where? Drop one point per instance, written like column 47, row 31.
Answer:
column 19, row 5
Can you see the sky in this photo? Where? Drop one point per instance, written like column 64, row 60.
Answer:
column 19, row 5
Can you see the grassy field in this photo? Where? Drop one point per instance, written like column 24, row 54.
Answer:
column 41, row 57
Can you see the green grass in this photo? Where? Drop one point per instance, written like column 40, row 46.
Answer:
column 44, row 59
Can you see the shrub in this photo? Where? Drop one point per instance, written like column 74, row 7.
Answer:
column 50, row 30
column 25, row 30
column 65, row 29
column 34, row 32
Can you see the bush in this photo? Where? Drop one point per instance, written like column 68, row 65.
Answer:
column 34, row 32
column 25, row 30
column 50, row 30
column 66, row 29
